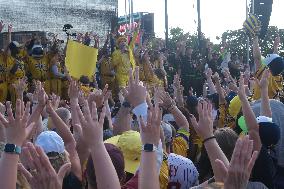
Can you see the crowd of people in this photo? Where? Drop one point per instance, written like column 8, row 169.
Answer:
column 147, row 119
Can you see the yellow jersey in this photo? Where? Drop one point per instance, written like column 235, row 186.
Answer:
column 39, row 69
column 15, row 72
column 275, row 84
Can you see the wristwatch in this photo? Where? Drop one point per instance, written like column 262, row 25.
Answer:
column 12, row 149
column 149, row 148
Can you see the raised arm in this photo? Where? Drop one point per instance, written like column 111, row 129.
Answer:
column 276, row 44
column 92, row 129
column 150, row 134
column 263, row 85
column 211, row 85
column 135, row 96
column 219, row 88
column 169, row 105
column 69, row 142
column 256, row 53
column 204, row 128
column 178, row 91
column 10, row 27
column 252, row 125
column 134, row 37
column 237, row 174
column 16, row 133
column 83, row 152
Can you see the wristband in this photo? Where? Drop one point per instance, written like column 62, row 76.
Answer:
column 207, row 139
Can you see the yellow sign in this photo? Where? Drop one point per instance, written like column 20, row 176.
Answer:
column 80, row 59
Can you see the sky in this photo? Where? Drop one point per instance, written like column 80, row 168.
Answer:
column 217, row 16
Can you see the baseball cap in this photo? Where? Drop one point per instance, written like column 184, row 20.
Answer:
column 50, row 141
column 269, row 132
column 168, row 132
column 230, row 96
column 14, row 45
column 37, row 51
column 130, row 144
column 168, row 118
column 182, row 171
column 235, row 106
column 275, row 63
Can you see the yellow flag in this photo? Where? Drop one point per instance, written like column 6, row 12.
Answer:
column 80, row 59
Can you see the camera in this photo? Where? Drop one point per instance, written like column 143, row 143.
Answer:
column 67, row 29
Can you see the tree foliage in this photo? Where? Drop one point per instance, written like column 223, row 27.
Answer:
column 236, row 40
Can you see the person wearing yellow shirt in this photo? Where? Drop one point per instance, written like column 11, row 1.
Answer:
column 3, row 79
column 275, row 64
column 38, row 66
column 123, row 60
column 106, row 71
column 15, row 68
column 56, row 75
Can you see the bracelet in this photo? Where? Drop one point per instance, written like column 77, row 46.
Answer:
column 209, row 138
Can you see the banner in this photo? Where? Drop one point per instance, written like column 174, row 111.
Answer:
column 80, row 59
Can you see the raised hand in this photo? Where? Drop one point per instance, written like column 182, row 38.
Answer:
column 208, row 73
column 277, row 41
column 166, row 101
column 236, row 176
column 263, row 83
column 216, row 77
column 10, row 28
column 42, row 174
column 55, row 100
column 42, row 96
column 150, row 132
column 99, row 97
column 136, row 92
column 92, row 126
column 74, row 90
column 204, row 127
column 20, row 86
column 16, row 128
column 241, row 89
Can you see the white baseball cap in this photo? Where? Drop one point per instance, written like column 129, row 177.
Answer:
column 270, row 58
column 50, row 141
column 182, row 171
column 168, row 117
column 261, row 119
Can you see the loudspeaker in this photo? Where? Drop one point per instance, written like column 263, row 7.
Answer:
column 263, row 9
column 148, row 23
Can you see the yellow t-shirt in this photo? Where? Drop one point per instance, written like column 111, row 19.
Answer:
column 275, row 85
column 39, row 69
column 122, row 62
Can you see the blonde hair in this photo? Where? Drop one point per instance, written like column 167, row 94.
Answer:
column 57, row 160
